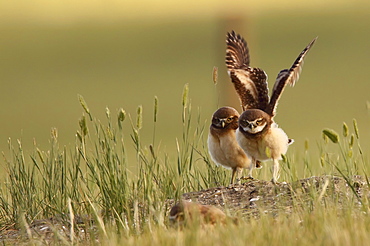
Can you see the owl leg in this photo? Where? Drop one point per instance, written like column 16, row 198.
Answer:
column 236, row 174
column 252, row 165
column 275, row 171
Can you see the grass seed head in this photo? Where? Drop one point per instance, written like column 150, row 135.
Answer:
column 352, row 141
column 121, row 117
column 306, row 145
column 155, row 108
column 215, row 75
column 331, row 134
column 355, row 127
column 139, row 119
column 83, row 126
column 84, row 106
column 345, row 129
column 54, row 133
column 185, row 96
column 107, row 112
column 121, row 114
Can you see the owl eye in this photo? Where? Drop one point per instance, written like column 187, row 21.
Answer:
column 228, row 120
column 259, row 122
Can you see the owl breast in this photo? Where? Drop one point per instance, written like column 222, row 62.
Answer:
column 271, row 145
column 225, row 151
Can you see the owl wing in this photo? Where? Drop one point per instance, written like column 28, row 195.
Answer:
column 250, row 83
column 287, row 76
column 237, row 52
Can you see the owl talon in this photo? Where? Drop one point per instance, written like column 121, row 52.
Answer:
column 258, row 165
column 247, row 178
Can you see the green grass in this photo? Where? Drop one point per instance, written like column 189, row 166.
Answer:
column 129, row 200
column 96, row 175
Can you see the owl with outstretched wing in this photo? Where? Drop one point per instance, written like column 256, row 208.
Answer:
column 257, row 134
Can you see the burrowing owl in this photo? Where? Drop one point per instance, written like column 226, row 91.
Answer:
column 258, row 135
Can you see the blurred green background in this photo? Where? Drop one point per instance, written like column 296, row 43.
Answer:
column 123, row 53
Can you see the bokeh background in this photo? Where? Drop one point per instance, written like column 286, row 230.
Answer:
column 121, row 54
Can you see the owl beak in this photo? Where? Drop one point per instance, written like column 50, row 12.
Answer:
column 223, row 123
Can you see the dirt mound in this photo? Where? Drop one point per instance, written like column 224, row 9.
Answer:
column 254, row 197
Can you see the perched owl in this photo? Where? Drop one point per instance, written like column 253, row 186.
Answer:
column 257, row 134
column 222, row 145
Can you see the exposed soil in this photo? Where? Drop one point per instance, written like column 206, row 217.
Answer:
column 253, row 197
